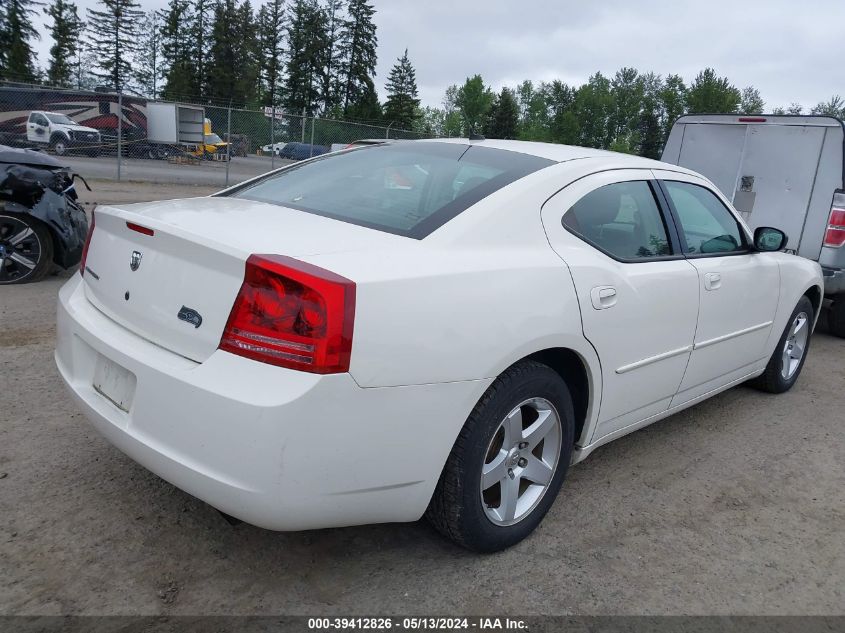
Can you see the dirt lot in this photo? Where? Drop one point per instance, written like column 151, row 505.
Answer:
column 735, row 506
column 112, row 192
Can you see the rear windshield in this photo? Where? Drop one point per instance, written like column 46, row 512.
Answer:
column 407, row 189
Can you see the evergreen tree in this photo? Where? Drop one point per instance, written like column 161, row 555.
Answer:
column 402, row 94
column 113, row 36
column 231, row 69
column 247, row 55
column 331, row 87
column 710, row 93
column 271, row 32
column 366, row 108
column 307, row 62
column 177, row 49
column 148, row 63
column 358, row 43
column 65, row 30
column 504, row 116
column 17, row 59
column 201, row 28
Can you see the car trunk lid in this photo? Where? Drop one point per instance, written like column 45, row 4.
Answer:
column 170, row 271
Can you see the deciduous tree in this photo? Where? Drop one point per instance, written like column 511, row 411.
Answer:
column 473, row 101
column 148, row 62
column 711, row 93
column 752, row 102
column 835, row 106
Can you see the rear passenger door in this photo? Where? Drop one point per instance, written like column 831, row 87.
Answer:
column 638, row 295
column 738, row 287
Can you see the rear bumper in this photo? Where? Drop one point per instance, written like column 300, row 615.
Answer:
column 834, row 281
column 277, row 448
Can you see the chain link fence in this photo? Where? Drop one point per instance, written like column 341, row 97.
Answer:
column 107, row 135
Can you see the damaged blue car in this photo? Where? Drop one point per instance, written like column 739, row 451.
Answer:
column 42, row 225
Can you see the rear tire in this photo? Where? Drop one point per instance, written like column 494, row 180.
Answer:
column 836, row 317
column 26, row 249
column 497, row 444
column 784, row 367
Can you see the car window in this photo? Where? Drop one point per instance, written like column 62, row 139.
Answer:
column 621, row 219
column 406, row 188
column 60, row 118
column 706, row 224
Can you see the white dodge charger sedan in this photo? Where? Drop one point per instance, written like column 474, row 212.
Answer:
column 433, row 328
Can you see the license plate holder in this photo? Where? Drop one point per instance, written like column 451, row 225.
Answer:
column 115, row 383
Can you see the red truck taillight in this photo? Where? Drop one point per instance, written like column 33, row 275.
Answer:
column 292, row 314
column 835, row 234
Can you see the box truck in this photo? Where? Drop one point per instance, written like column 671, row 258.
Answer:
column 785, row 171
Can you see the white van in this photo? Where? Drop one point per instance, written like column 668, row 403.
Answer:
column 780, row 171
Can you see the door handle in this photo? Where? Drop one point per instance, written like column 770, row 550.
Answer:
column 712, row 281
column 603, row 297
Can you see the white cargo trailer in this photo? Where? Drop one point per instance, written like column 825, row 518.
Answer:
column 175, row 123
column 782, row 171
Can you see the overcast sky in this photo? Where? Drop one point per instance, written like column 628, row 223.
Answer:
column 790, row 51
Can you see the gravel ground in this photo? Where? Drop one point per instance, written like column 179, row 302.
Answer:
column 735, row 506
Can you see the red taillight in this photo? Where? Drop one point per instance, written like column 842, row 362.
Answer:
column 292, row 314
column 835, row 234
column 87, row 244
column 139, row 229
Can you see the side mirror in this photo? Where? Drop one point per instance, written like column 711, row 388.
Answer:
column 768, row 239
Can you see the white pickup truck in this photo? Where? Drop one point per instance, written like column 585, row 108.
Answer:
column 61, row 133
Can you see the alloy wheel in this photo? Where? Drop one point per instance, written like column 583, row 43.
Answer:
column 20, row 249
column 795, row 345
column 520, row 461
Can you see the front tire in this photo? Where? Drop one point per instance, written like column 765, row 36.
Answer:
column 787, row 361
column 508, row 462
column 26, row 249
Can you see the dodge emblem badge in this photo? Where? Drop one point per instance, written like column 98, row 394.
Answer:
column 135, row 260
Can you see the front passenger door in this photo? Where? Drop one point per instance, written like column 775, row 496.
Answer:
column 638, row 295
column 738, row 288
